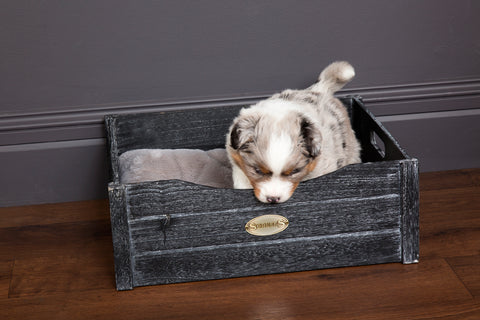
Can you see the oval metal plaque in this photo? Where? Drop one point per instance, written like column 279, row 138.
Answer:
column 266, row 225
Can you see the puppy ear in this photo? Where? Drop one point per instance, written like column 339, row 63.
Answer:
column 235, row 136
column 312, row 138
column 242, row 132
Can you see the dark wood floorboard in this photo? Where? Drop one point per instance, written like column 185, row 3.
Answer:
column 468, row 270
column 56, row 263
column 6, row 267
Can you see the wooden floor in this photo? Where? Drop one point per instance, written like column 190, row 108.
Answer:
column 56, row 263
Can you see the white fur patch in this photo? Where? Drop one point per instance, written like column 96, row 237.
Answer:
column 240, row 180
column 347, row 73
column 278, row 108
column 275, row 188
column 278, row 152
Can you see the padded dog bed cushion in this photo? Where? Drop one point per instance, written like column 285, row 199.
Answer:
column 210, row 168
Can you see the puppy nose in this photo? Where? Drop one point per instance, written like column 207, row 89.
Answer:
column 273, row 199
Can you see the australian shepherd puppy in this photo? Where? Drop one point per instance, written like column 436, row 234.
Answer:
column 293, row 136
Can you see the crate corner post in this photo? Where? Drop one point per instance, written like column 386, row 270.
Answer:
column 409, row 189
column 120, row 237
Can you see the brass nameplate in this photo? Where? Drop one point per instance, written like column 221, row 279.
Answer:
column 266, row 225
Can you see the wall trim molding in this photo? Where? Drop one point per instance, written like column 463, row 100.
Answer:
column 28, row 147
column 430, row 115
column 420, row 91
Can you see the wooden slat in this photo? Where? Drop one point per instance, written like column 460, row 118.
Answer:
column 199, row 128
column 172, row 197
column 276, row 256
column 228, row 227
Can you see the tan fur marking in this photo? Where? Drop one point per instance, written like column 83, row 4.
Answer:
column 295, row 185
column 238, row 160
column 256, row 190
column 311, row 166
column 288, row 171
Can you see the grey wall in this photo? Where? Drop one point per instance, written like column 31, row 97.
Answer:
column 63, row 65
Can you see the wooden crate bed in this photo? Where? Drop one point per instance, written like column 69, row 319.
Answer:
column 174, row 231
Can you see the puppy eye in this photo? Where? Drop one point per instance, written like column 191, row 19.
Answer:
column 261, row 172
column 294, row 171
column 258, row 171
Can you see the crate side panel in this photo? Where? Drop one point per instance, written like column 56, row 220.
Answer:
column 351, row 199
column 319, row 218
column 190, row 129
column 366, row 126
column 218, row 262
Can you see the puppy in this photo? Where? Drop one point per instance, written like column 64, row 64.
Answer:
column 293, row 136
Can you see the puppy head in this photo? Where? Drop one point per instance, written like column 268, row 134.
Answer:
column 274, row 151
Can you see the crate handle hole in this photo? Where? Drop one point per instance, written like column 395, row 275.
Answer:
column 377, row 143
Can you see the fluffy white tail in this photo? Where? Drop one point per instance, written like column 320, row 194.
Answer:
column 334, row 77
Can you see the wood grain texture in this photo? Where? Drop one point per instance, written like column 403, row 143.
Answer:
column 442, row 286
column 58, row 257
column 45, row 214
column 467, row 268
column 409, row 186
column 227, row 227
column 6, row 267
column 62, row 273
column 121, row 238
column 449, row 179
column 256, row 258
column 460, row 208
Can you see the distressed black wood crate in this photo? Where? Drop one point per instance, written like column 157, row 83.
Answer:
column 174, row 231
